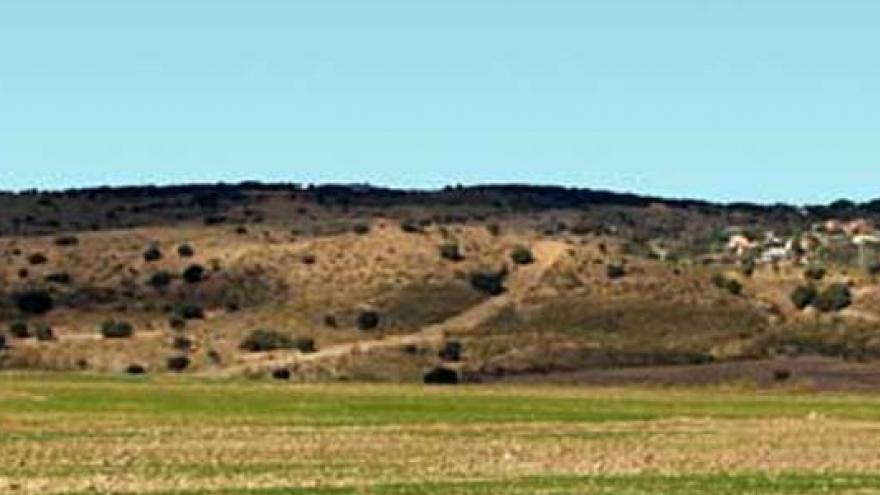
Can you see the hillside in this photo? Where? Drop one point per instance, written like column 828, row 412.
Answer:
column 485, row 283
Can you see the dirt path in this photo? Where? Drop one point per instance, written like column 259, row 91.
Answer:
column 519, row 285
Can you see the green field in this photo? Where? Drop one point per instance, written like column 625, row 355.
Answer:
column 80, row 434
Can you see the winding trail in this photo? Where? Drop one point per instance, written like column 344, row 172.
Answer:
column 519, row 284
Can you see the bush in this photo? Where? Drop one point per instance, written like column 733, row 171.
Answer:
column 615, row 271
column 521, row 255
column 61, row 278
column 190, row 311
column 136, row 369
column 177, row 364
column 182, row 343
column 451, row 352
column 308, row 259
column 490, row 283
column 194, row 274
column 185, row 251
column 368, row 320
column 38, row 259
column 2, row 342
column 281, row 374
column 451, row 252
column 19, row 330
column 361, row 228
column 66, row 241
column 834, row 298
column 803, row 296
column 43, row 332
column 410, row 226
column 263, row 340
column 177, row 323
column 160, row 280
column 729, row 284
column 153, row 253
column 816, row 273
column 441, row 376
column 35, row 302
column 116, row 329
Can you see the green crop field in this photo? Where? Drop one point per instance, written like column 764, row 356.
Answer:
column 82, row 434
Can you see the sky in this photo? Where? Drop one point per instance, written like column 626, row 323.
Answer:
column 753, row 100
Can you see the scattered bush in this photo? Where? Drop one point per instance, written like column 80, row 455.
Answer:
column 522, row 255
column 281, row 374
column 490, row 283
column 781, row 375
column 43, row 332
column 136, row 369
column 19, row 329
column 330, row 321
column 2, row 342
column 194, row 274
column 803, row 296
column 615, row 271
column 264, row 340
column 368, row 320
column 726, row 283
column 61, row 278
column 451, row 352
column 66, row 241
column 38, row 259
column 816, row 273
column 190, row 311
column 177, row 323
column 116, row 329
column 182, row 343
column 185, row 251
column 177, row 364
column 361, row 228
column 834, row 298
column 160, row 280
column 153, row 253
column 410, row 226
column 451, row 252
column 308, row 259
column 441, row 376
column 35, row 302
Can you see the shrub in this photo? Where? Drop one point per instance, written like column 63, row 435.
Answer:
column 241, row 230
column 153, row 253
column 330, row 321
column 38, row 259
column 61, row 278
column 135, row 369
column 451, row 252
column 522, row 255
column 2, row 342
column 803, row 296
column 182, row 343
column 36, row 302
column 410, row 226
column 177, row 364
column 66, row 241
column 177, row 323
column 441, row 376
column 835, row 297
column 729, row 284
column 43, row 332
column 190, row 311
column 368, row 320
column 451, row 352
column 19, row 330
column 816, row 273
column 308, row 259
column 116, row 329
column 160, row 280
column 263, row 340
column 281, row 374
column 490, row 283
column 194, row 274
column 615, row 271
column 185, row 251
column 361, row 228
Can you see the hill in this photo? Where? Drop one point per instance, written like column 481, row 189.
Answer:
column 466, row 283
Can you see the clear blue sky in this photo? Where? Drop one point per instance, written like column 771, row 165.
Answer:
column 754, row 99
